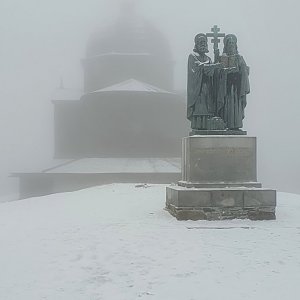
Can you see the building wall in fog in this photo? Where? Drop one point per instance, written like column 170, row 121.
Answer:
column 123, row 124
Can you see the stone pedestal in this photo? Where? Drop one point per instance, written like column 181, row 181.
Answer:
column 219, row 181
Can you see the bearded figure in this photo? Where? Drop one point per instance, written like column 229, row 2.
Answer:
column 201, row 104
column 233, row 85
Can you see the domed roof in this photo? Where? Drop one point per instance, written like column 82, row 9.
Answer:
column 131, row 34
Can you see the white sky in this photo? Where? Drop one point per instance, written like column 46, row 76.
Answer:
column 44, row 40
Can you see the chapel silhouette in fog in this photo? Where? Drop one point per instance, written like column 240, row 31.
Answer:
column 128, row 108
column 128, row 115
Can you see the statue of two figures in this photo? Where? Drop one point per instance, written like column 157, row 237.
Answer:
column 216, row 92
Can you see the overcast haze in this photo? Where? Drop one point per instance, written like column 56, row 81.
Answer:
column 42, row 41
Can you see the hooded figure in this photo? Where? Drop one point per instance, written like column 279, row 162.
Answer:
column 233, row 85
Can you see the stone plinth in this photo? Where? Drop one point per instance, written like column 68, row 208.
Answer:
column 219, row 159
column 221, row 204
column 219, row 181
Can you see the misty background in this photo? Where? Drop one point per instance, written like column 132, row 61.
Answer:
column 44, row 41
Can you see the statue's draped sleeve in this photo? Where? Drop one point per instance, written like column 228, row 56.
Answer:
column 194, row 83
column 221, row 92
column 243, row 85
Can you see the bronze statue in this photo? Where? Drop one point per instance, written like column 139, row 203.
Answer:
column 216, row 92
column 201, row 104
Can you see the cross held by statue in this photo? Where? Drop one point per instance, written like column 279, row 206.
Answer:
column 215, row 35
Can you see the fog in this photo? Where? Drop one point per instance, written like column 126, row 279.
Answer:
column 44, row 41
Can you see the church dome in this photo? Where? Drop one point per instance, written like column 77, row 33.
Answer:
column 131, row 34
column 132, row 48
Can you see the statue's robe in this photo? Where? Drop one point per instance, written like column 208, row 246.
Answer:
column 233, row 86
column 200, row 105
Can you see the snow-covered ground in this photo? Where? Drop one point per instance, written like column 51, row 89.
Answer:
column 117, row 242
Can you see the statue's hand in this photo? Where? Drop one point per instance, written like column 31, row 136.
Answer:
column 209, row 70
column 198, row 63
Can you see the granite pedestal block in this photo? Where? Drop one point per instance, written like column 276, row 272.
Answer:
column 219, row 181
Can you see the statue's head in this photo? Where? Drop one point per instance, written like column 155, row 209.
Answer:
column 230, row 44
column 201, row 45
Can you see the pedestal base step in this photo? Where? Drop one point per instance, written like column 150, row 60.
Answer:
column 221, row 203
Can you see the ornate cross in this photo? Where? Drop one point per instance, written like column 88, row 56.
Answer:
column 215, row 35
